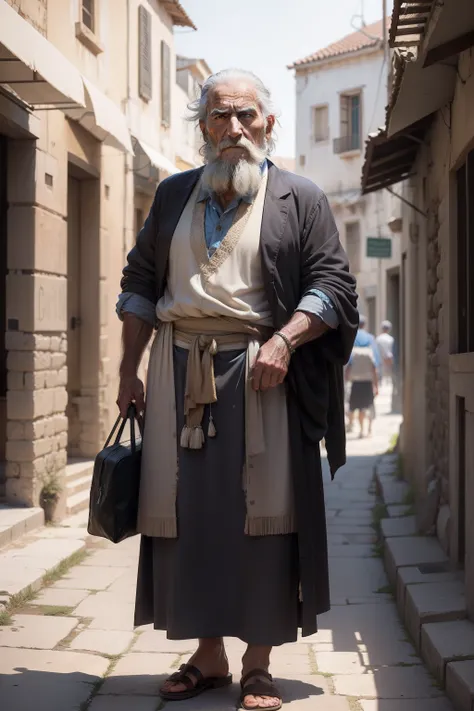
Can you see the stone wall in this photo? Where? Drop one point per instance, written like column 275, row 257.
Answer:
column 36, row 402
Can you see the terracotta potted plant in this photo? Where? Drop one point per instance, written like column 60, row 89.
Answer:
column 49, row 496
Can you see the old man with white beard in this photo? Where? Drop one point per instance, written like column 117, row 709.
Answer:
column 240, row 270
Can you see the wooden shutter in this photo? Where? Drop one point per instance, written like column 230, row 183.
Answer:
column 165, row 84
column 321, row 123
column 144, row 53
column 344, row 111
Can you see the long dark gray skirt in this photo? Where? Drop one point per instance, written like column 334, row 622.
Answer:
column 214, row 581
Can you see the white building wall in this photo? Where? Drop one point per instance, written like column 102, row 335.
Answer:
column 339, row 175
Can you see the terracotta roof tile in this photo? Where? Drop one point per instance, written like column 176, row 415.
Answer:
column 371, row 36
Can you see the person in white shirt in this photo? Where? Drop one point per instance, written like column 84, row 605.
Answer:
column 384, row 344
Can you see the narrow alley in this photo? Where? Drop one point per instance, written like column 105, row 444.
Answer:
column 74, row 647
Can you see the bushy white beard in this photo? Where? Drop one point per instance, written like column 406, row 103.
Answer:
column 243, row 177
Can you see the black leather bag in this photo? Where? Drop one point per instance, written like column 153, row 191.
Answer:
column 113, row 505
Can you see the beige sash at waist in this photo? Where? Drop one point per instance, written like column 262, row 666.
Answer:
column 204, row 338
column 266, row 477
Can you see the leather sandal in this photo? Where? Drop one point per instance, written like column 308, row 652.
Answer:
column 260, row 687
column 193, row 688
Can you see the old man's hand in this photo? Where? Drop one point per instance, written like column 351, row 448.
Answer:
column 130, row 390
column 271, row 364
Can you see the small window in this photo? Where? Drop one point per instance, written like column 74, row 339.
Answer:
column 165, row 84
column 88, row 14
column 320, row 123
column 302, row 161
column 353, row 246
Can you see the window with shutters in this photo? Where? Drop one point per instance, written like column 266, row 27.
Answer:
column 465, row 255
column 320, row 123
column 350, row 135
column 353, row 246
column 88, row 14
column 165, row 84
column 144, row 52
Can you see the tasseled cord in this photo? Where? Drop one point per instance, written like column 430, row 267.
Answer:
column 192, row 437
column 211, row 428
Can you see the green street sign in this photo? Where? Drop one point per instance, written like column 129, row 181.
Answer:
column 379, row 247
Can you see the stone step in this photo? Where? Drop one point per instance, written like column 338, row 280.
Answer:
column 16, row 522
column 24, row 565
column 78, row 468
column 77, row 502
column 75, row 486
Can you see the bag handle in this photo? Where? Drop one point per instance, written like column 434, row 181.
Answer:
column 131, row 416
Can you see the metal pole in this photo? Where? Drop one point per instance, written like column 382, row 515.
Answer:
column 386, row 48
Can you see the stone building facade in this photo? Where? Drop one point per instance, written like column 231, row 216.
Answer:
column 68, row 149
column 428, row 147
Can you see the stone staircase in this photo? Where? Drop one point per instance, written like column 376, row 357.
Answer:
column 78, row 484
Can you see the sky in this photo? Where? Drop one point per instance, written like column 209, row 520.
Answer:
column 265, row 36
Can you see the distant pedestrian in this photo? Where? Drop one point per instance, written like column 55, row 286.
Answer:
column 361, row 372
column 385, row 344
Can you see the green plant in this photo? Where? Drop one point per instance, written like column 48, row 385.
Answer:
column 51, row 488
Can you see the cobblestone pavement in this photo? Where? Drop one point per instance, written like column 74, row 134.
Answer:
column 74, row 648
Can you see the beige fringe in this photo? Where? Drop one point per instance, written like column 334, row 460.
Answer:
column 158, row 527
column 270, row 525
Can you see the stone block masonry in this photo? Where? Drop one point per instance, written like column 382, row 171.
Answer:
column 36, row 421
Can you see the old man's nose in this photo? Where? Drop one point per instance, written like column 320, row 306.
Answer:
column 235, row 127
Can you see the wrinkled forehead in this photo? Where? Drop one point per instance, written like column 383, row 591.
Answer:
column 233, row 94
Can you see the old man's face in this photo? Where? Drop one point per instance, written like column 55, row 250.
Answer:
column 235, row 132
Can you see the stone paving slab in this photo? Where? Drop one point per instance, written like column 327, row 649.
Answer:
column 90, row 577
column 460, row 684
column 140, row 674
column 111, row 642
column 406, row 705
column 437, row 602
column 124, row 703
column 411, row 551
column 402, row 526
column 356, row 578
column 112, row 558
column 372, row 628
column 33, row 680
column 342, row 662
column 443, row 642
column 62, row 597
column 25, row 567
column 388, row 683
column 154, row 641
column 36, row 631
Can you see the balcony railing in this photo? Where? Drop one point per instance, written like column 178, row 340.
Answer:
column 344, row 144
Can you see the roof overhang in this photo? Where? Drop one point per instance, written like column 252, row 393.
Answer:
column 450, row 32
column 34, row 68
column 178, row 14
column 409, row 21
column 391, row 159
column 102, row 118
column 418, row 91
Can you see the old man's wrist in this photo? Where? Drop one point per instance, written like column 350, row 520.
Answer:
column 286, row 341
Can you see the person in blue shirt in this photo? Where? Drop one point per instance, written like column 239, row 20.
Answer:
column 361, row 372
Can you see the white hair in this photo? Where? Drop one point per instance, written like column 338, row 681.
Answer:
column 198, row 107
